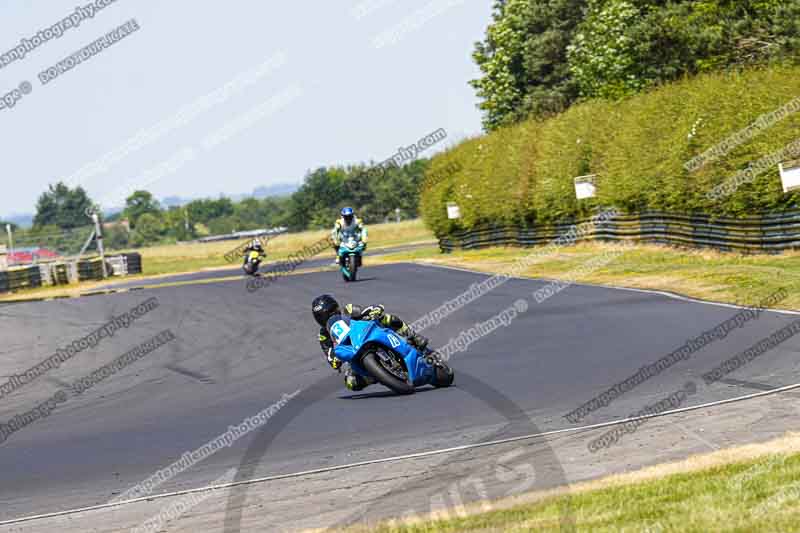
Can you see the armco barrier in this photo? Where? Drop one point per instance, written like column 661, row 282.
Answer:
column 757, row 234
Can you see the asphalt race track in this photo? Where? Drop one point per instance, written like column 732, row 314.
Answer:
column 237, row 353
column 324, row 259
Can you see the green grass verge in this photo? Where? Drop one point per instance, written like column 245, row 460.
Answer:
column 523, row 174
column 707, row 275
column 751, row 496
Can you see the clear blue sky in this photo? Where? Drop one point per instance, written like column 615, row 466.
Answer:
column 352, row 80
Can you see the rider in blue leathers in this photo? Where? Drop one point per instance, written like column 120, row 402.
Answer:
column 327, row 311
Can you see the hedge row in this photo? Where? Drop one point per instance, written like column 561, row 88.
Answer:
column 638, row 147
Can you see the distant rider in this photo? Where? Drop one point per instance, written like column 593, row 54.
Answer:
column 346, row 226
column 327, row 311
column 254, row 246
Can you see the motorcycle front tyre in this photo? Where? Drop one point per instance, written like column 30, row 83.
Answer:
column 384, row 377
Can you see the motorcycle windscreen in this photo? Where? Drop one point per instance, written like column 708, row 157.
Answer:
column 359, row 331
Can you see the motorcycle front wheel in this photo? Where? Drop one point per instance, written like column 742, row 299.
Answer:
column 391, row 377
column 352, row 268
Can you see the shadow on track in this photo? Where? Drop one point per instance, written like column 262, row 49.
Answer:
column 518, row 422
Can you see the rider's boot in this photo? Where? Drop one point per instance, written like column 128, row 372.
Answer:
column 354, row 382
column 418, row 341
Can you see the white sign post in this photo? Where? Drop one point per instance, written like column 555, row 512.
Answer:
column 790, row 175
column 453, row 211
column 10, row 243
column 585, row 186
column 98, row 234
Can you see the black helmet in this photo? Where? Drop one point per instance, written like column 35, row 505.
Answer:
column 324, row 307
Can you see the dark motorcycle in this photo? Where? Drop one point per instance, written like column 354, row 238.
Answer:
column 252, row 261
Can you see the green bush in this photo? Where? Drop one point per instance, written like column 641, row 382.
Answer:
column 638, row 147
column 538, row 58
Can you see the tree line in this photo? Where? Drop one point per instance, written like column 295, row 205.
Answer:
column 538, row 58
column 62, row 218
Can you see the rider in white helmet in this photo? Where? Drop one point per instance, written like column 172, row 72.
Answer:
column 255, row 246
column 345, row 226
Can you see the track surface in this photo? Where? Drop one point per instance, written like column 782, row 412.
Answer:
column 322, row 260
column 237, row 353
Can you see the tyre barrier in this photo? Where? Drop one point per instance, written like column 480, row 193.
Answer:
column 16, row 278
column 772, row 233
column 91, row 269
column 60, row 273
column 133, row 263
column 125, row 264
column 117, row 266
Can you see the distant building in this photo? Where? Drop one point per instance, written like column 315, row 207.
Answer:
column 26, row 256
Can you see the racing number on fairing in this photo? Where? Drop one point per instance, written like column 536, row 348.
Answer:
column 339, row 330
column 394, row 341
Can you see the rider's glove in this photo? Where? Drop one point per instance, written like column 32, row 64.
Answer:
column 334, row 361
column 373, row 312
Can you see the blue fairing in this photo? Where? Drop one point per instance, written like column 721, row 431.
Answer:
column 358, row 250
column 353, row 338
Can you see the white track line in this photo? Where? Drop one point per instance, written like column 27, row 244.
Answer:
column 599, row 286
column 399, row 457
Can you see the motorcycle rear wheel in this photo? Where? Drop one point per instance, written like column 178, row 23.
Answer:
column 251, row 268
column 386, row 378
column 444, row 376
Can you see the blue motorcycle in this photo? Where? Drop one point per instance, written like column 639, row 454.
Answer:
column 350, row 252
column 377, row 352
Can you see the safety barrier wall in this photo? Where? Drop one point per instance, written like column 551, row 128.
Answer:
column 60, row 273
column 770, row 233
column 20, row 278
